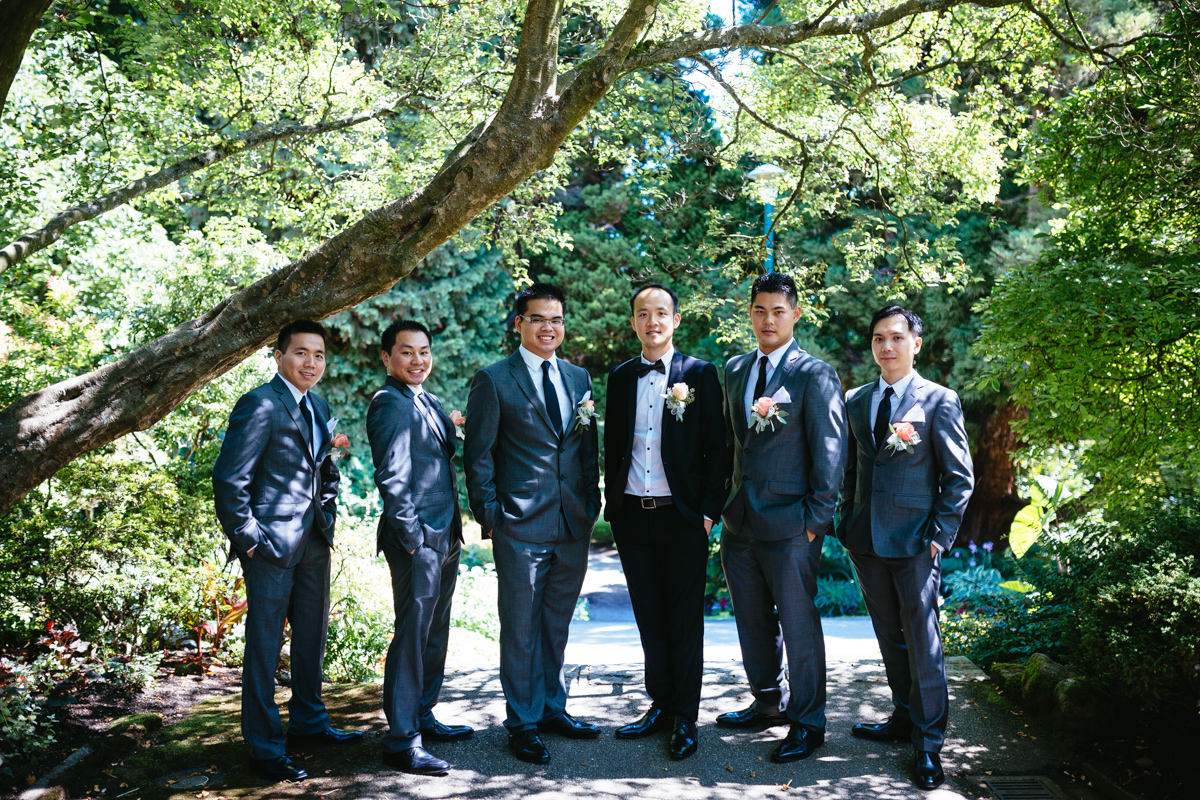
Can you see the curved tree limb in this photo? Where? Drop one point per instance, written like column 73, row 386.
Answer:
column 18, row 19
column 257, row 136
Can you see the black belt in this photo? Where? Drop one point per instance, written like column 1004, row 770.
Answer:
column 650, row 503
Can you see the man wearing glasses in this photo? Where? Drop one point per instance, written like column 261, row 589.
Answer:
column 533, row 481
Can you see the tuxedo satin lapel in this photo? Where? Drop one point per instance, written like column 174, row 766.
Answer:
column 289, row 402
column 674, row 376
column 629, row 376
column 916, row 388
column 520, row 374
column 737, row 394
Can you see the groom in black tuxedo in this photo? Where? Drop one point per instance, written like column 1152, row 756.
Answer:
column 667, row 466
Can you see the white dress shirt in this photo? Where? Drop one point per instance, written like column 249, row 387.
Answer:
column 647, row 477
column 534, row 362
column 773, row 360
column 300, row 397
column 899, row 388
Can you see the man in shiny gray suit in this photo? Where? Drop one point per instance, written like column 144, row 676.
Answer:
column 785, row 415
column 533, row 480
column 420, row 533
column 907, row 484
column 275, row 489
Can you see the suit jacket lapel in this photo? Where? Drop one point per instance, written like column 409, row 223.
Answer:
column 322, row 429
column 862, row 411
column 737, row 394
column 289, row 402
column 442, row 425
column 674, row 376
column 911, row 398
column 786, row 365
column 520, row 374
column 629, row 375
column 574, row 396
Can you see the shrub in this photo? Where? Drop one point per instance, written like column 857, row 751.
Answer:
column 110, row 545
column 25, row 732
column 836, row 597
column 474, row 606
column 1138, row 607
column 1008, row 628
column 357, row 643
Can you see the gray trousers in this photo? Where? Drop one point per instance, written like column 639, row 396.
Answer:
column 299, row 595
column 539, row 586
column 901, row 597
column 772, row 586
column 422, row 587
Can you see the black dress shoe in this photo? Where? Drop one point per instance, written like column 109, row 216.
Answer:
column 683, row 739
column 330, row 737
column 566, row 725
column 748, row 718
column 928, row 770
column 891, row 731
column 800, row 743
column 527, row 746
column 437, row 732
column 279, row 768
column 652, row 721
column 416, row 761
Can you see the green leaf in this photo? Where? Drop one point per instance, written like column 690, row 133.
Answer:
column 1026, row 527
column 1018, row 586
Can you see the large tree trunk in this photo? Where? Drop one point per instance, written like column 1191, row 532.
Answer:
column 994, row 502
column 18, row 20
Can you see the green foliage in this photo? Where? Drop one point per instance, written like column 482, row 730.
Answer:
column 838, row 598
column 357, row 642
column 1008, row 628
column 475, row 601
column 1138, row 606
column 25, row 731
column 111, row 545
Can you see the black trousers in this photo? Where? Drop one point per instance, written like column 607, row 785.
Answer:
column 665, row 560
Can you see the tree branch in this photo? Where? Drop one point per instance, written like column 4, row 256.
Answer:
column 257, row 136
column 755, row 36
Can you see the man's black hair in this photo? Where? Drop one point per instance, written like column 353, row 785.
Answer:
column 667, row 289
column 538, row 291
column 388, row 340
column 775, row 283
column 915, row 326
column 299, row 326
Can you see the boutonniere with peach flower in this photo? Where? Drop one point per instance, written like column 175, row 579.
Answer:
column 459, row 422
column 904, row 438
column 679, row 397
column 339, row 441
column 765, row 413
column 585, row 412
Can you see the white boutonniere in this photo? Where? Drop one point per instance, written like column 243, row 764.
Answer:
column 585, row 412
column 679, row 397
column 459, row 422
column 904, row 437
column 765, row 413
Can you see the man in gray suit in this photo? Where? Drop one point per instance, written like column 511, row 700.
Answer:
column 420, row 534
column 784, row 414
column 907, row 484
column 275, row 489
column 533, row 480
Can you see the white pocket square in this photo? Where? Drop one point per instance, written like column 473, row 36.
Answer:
column 915, row 414
column 782, row 396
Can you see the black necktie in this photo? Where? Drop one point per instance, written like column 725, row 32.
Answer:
column 304, row 412
column 760, row 385
column 645, row 369
column 882, row 417
column 550, row 395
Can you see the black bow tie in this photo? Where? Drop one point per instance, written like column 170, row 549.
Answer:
column 644, row 368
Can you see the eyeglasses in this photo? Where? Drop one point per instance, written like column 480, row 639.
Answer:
column 553, row 322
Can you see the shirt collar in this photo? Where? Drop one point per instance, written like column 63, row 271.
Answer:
column 775, row 356
column 666, row 358
column 297, row 395
column 534, row 361
column 899, row 387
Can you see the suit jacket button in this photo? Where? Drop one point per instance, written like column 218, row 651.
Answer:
column 879, row 463
column 746, row 451
column 746, row 478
